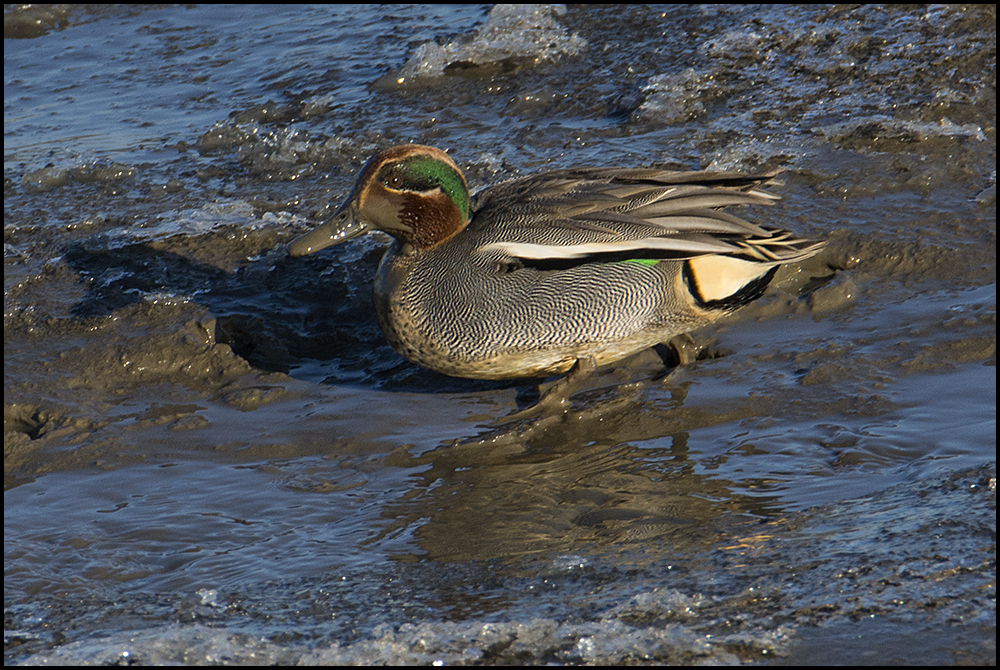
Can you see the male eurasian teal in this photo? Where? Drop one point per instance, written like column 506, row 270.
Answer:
column 534, row 274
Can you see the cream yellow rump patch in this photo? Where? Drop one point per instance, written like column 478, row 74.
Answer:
column 719, row 277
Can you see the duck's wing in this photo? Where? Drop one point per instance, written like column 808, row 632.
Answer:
column 601, row 215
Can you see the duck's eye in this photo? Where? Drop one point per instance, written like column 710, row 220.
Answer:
column 404, row 177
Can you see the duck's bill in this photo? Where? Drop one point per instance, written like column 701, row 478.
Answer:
column 343, row 226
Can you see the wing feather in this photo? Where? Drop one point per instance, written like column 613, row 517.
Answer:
column 596, row 214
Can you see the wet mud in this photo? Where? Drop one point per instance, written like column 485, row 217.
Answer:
column 211, row 454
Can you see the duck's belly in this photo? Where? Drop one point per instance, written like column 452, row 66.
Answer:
column 470, row 319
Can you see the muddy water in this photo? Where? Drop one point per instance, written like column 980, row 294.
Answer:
column 212, row 454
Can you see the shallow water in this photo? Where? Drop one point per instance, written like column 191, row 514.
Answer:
column 212, row 455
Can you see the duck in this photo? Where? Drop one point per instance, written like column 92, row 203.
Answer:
column 542, row 274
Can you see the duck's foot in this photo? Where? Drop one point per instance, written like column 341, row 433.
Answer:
column 679, row 351
column 685, row 349
column 556, row 399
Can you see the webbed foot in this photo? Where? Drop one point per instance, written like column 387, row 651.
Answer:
column 556, row 398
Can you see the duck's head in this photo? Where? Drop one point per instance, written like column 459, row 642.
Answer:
column 415, row 193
